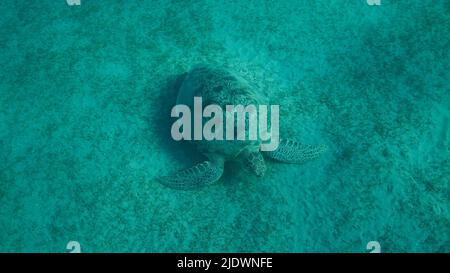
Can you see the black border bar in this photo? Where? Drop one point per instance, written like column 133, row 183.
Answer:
column 268, row 262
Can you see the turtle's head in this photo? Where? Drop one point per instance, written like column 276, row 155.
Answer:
column 253, row 162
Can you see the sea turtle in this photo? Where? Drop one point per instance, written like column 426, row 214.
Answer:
column 222, row 87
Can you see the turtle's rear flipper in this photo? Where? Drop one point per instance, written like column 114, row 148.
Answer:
column 290, row 151
column 200, row 175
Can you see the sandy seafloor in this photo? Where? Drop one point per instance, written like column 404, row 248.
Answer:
column 85, row 99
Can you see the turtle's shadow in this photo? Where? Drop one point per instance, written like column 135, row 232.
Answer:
column 183, row 153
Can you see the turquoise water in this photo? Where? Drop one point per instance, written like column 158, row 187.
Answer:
column 86, row 93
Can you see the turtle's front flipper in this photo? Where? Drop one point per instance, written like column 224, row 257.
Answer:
column 290, row 151
column 200, row 175
column 254, row 162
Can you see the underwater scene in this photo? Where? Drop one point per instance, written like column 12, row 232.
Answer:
column 89, row 161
